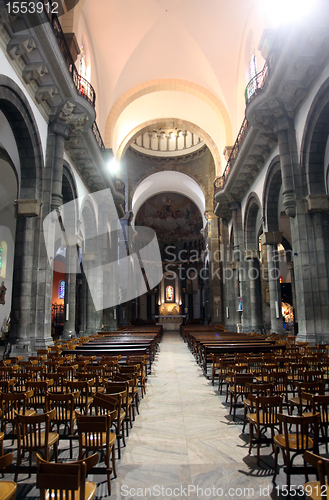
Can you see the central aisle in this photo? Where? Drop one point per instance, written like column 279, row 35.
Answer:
column 184, row 439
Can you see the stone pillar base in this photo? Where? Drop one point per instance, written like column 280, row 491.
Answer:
column 68, row 334
column 44, row 343
column 20, row 348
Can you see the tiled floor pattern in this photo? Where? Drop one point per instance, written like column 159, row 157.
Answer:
column 184, row 443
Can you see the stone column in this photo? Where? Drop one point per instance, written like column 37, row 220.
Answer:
column 286, row 136
column 23, row 294
column 310, row 236
column 215, row 270
column 236, row 265
column 109, row 253
column 256, row 315
column 58, row 131
column 271, row 239
column 90, row 257
column 124, row 245
column 70, row 286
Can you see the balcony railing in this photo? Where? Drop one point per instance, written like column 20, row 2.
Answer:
column 84, row 88
column 257, row 83
column 220, row 181
column 98, row 137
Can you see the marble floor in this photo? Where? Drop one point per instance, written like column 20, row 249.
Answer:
column 184, row 443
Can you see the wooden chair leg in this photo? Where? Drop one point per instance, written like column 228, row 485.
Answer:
column 113, row 461
column 250, row 436
column 275, row 462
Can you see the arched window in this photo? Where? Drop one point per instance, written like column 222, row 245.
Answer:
column 169, row 293
column 82, row 62
column 3, row 259
column 253, row 61
column 61, row 289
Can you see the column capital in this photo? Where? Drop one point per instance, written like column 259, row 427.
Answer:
column 61, row 128
column 271, row 238
column 317, row 203
column 234, row 205
column 27, row 208
column 282, row 124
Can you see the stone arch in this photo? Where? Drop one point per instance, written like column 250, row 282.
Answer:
column 271, row 194
column 192, row 127
column 168, row 181
column 88, row 217
column 314, row 142
column 69, row 189
column 253, row 207
column 167, row 84
column 17, row 111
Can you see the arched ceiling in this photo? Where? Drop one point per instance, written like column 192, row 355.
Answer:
column 184, row 59
column 171, row 182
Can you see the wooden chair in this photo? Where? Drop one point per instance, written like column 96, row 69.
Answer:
column 132, row 379
column 258, row 389
column 58, row 382
column 40, row 359
column 64, row 417
column 51, row 366
column 7, row 488
column 238, row 389
column 6, row 372
column 126, row 401
column 13, row 403
column 68, row 371
column 305, row 387
column 295, row 374
column 142, row 361
column 95, row 436
column 225, row 367
column 294, row 439
column 279, row 380
column 21, row 379
column 66, row 481
column 138, row 371
column 214, row 366
column 317, row 490
column 34, row 434
column 105, row 403
column 2, row 435
column 85, row 398
column 40, row 389
column 230, row 377
column 35, row 372
column 265, row 417
column 7, row 385
column 319, row 403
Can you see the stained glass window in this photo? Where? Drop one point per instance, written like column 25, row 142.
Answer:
column 3, row 258
column 61, row 289
column 169, row 293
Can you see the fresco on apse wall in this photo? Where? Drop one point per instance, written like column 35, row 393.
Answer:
column 171, row 216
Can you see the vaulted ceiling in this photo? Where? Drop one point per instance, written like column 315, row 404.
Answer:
column 156, row 60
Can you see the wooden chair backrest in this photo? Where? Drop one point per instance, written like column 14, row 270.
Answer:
column 63, row 480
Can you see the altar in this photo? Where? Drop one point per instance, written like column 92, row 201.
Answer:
column 170, row 322
column 169, row 316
